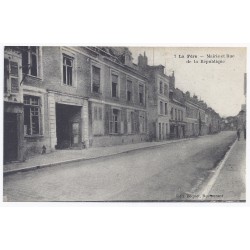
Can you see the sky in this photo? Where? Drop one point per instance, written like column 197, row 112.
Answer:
column 220, row 85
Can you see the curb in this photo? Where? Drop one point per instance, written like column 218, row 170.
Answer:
column 213, row 177
column 26, row 169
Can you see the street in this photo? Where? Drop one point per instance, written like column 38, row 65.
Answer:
column 160, row 174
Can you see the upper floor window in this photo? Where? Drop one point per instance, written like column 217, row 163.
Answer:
column 165, row 89
column 67, row 70
column 30, row 60
column 129, row 90
column 161, row 87
column 96, row 79
column 176, row 115
column 141, row 94
column 11, row 76
column 172, row 113
column 161, row 107
column 114, row 85
column 31, row 115
column 166, row 108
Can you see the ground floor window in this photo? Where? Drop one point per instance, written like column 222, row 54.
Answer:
column 166, row 129
column 114, row 122
column 97, row 120
column 131, row 122
column 32, row 115
column 142, row 120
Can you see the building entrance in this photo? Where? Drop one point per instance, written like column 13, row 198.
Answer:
column 10, row 137
column 68, row 126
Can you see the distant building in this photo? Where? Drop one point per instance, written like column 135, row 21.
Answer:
column 195, row 116
column 177, row 112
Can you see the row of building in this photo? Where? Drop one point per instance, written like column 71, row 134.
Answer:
column 64, row 97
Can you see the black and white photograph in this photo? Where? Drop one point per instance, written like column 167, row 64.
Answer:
column 124, row 124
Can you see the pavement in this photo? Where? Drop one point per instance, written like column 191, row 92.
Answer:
column 230, row 185
column 59, row 157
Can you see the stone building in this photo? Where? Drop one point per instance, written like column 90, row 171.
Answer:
column 177, row 112
column 195, row 116
column 158, row 99
column 64, row 97
column 213, row 121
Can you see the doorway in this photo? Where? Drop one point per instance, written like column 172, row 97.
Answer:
column 10, row 137
column 68, row 126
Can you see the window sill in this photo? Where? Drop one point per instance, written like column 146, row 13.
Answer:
column 70, row 86
column 33, row 136
column 34, row 77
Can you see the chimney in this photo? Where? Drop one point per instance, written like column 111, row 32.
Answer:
column 172, row 80
column 142, row 60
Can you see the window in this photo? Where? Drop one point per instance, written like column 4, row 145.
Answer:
column 98, row 126
column 161, row 88
column 129, row 90
column 114, row 123
column 166, row 90
column 166, row 129
column 11, row 76
column 141, row 94
column 96, row 79
column 67, row 70
column 31, row 115
column 166, row 108
column 131, row 122
column 114, row 85
column 30, row 60
column 161, row 108
column 142, row 120
column 172, row 113
column 176, row 115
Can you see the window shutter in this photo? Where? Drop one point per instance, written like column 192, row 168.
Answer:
column 137, row 121
column 14, row 85
column 6, row 74
column 14, row 77
column 108, row 118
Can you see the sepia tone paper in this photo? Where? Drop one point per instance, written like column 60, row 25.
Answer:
column 124, row 123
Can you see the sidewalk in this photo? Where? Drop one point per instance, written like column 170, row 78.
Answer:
column 65, row 156
column 230, row 184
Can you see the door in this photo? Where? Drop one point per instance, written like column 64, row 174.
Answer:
column 75, row 134
column 10, row 137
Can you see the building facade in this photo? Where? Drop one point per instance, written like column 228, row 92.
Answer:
column 177, row 112
column 195, row 116
column 158, row 100
column 80, row 97
column 64, row 97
